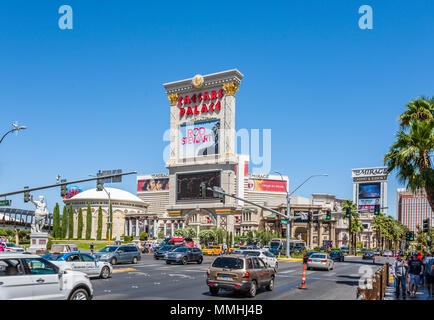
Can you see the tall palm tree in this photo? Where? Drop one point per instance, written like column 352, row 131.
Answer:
column 410, row 156
column 421, row 109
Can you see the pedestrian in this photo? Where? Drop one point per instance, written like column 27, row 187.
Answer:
column 225, row 247
column 429, row 273
column 91, row 248
column 407, row 277
column 415, row 270
column 399, row 272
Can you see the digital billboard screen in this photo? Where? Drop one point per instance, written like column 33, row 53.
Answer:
column 199, row 139
column 369, row 190
column 267, row 185
column 188, row 185
column 158, row 184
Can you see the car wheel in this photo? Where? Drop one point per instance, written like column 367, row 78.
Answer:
column 168, row 262
column 270, row 286
column 213, row 290
column 252, row 291
column 135, row 260
column 79, row 294
column 200, row 260
column 184, row 261
column 113, row 261
column 105, row 273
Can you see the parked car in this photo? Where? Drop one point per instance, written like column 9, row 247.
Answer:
column 83, row 262
column 64, row 248
column 213, row 250
column 337, row 256
column 31, row 277
column 184, row 255
column 368, row 255
column 307, row 255
column 269, row 258
column 11, row 247
column 119, row 254
column 241, row 273
column 320, row 261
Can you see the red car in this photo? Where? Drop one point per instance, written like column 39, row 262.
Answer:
column 188, row 242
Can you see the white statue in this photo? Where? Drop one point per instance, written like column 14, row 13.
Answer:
column 41, row 214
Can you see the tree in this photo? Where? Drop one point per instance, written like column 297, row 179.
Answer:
column 80, row 224
column 207, row 236
column 64, row 223
column 70, row 222
column 99, row 230
column 179, row 232
column 190, row 232
column 410, row 155
column 88, row 222
column 356, row 225
column 144, row 236
column 57, row 231
column 421, row 109
column 161, row 234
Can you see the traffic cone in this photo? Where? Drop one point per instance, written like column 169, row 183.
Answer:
column 303, row 278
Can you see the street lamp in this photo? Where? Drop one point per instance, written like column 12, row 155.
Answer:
column 16, row 128
column 288, row 195
column 109, row 212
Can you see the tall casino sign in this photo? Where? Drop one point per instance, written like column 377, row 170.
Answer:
column 370, row 188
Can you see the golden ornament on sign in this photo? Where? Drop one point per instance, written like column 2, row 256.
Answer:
column 197, row 81
column 173, row 99
column 230, row 88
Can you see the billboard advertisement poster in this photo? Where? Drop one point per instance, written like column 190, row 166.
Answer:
column 188, row 185
column 267, row 185
column 199, row 139
column 72, row 191
column 368, row 204
column 158, row 184
column 369, row 190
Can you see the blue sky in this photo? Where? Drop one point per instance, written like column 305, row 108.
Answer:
column 92, row 97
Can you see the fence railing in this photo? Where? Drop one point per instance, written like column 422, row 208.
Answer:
column 374, row 288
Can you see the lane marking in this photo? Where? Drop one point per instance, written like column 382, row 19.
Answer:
column 286, row 271
column 123, row 270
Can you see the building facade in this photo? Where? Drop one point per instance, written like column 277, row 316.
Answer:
column 413, row 208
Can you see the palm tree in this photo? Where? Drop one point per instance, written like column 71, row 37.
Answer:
column 421, row 109
column 356, row 225
column 411, row 156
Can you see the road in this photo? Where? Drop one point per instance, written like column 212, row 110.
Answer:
column 154, row 279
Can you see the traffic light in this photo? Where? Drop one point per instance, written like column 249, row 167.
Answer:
column 377, row 209
column 426, row 225
column 347, row 213
column 309, row 216
column 99, row 183
column 409, row 236
column 202, row 190
column 63, row 189
column 26, row 195
column 328, row 215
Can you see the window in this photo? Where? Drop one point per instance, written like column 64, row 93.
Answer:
column 11, row 267
column 261, row 263
column 73, row 258
column 256, row 264
column 87, row 258
column 39, row 266
column 249, row 264
column 228, row 263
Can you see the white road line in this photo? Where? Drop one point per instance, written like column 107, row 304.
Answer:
column 330, row 274
column 286, row 271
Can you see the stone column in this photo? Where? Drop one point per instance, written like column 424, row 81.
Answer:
column 137, row 226
column 171, row 228
column 320, row 226
column 165, row 228
column 130, row 226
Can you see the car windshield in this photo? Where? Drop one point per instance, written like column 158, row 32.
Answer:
column 274, row 245
column 252, row 253
column 243, row 248
column 165, row 248
column 318, row 256
column 180, row 250
column 334, row 253
column 10, row 244
column 52, row 256
column 109, row 249
column 228, row 263
column 310, row 253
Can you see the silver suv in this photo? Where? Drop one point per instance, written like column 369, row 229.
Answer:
column 119, row 254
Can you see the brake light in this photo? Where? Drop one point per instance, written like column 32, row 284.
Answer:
column 309, row 260
column 246, row 275
column 207, row 272
column 237, row 286
column 323, row 260
column 211, row 283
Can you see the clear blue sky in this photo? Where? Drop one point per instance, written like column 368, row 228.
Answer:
column 92, row 97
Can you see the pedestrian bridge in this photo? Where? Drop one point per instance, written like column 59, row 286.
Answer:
column 20, row 219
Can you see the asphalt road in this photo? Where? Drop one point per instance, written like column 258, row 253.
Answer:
column 154, row 279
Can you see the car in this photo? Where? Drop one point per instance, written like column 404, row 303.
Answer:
column 344, row 249
column 307, row 255
column 324, row 248
column 64, row 248
column 184, row 255
column 239, row 273
column 368, row 255
column 269, row 258
column 212, row 250
column 387, row 253
column 337, row 256
column 320, row 261
column 233, row 248
column 376, row 252
column 83, row 262
column 31, row 277
column 247, row 247
column 11, row 247
column 161, row 253
column 119, row 254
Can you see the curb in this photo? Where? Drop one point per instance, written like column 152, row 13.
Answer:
column 123, row 270
column 289, row 259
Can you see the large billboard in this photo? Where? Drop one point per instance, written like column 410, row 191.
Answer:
column 188, row 185
column 199, row 139
column 369, row 195
column 267, row 185
column 152, row 184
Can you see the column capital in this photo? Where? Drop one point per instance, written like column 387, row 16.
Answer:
column 230, row 88
column 173, row 99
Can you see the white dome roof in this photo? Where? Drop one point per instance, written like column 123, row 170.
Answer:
column 115, row 195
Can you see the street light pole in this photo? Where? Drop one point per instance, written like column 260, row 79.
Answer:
column 16, row 128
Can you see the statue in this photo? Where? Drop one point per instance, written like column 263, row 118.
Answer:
column 41, row 214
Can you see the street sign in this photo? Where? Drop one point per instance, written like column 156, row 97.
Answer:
column 112, row 179
column 283, row 222
column 5, row 203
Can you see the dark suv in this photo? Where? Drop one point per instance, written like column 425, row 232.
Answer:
column 161, row 252
column 184, row 255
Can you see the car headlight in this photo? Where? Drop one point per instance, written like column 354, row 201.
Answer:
column 178, row 255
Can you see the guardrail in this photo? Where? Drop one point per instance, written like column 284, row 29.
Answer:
column 374, row 288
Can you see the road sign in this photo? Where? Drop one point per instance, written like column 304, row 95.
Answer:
column 112, row 179
column 283, row 221
column 5, row 203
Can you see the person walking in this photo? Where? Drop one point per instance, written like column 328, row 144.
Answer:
column 415, row 270
column 428, row 263
column 91, row 248
column 399, row 272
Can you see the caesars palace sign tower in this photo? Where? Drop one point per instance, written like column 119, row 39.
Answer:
column 202, row 148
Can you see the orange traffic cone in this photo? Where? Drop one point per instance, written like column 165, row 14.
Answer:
column 303, row 278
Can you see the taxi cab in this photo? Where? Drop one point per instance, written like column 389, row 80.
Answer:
column 212, row 250
column 233, row 248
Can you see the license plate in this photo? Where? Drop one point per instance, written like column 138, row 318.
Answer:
column 224, row 277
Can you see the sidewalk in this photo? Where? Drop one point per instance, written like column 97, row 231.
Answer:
column 421, row 293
